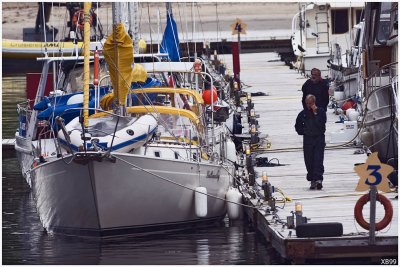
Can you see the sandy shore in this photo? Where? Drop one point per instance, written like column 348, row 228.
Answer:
column 208, row 17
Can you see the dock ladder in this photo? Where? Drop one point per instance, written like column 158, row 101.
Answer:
column 322, row 23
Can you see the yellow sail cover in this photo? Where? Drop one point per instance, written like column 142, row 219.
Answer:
column 118, row 53
column 139, row 73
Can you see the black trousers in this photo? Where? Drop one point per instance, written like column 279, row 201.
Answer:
column 314, row 148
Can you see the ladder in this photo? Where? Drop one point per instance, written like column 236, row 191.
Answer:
column 322, row 27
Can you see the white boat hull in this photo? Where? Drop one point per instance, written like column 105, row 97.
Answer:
column 318, row 61
column 381, row 110
column 106, row 198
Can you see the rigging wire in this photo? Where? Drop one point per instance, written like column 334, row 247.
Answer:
column 151, row 37
column 187, row 33
column 44, row 27
column 201, row 23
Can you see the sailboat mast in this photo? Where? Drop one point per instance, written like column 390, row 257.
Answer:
column 86, row 69
column 120, row 60
column 133, row 10
column 120, row 14
column 169, row 7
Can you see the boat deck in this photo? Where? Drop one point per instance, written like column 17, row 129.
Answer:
column 336, row 201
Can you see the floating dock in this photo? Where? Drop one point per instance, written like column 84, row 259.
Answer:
column 334, row 203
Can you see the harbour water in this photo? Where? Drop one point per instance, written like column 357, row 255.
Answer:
column 24, row 240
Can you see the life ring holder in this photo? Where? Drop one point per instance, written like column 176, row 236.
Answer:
column 388, row 212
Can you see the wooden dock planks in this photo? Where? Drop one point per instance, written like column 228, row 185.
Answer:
column 336, row 201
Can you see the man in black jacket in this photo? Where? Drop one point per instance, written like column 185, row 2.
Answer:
column 318, row 87
column 311, row 124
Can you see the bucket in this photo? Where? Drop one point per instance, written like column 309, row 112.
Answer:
column 346, row 134
column 338, row 95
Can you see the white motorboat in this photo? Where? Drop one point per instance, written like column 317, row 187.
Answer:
column 317, row 28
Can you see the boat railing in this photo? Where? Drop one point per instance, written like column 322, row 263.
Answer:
column 386, row 75
column 25, row 112
column 24, row 115
column 169, row 69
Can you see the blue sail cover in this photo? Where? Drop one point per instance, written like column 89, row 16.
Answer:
column 170, row 41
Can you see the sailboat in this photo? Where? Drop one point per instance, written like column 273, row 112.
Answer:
column 126, row 169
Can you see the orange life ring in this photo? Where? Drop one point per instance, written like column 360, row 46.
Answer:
column 78, row 19
column 386, row 219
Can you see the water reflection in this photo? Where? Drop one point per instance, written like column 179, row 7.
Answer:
column 203, row 252
column 26, row 242
column 13, row 92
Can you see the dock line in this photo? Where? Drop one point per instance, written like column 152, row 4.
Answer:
column 342, row 195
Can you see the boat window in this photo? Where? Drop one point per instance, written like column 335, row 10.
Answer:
column 383, row 33
column 176, row 155
column 394, row 21
column 340, row 21
column 157, row 154
column 74, row 78
column 357, row 36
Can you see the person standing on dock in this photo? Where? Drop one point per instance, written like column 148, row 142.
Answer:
column 318, row 87
column 311, row 124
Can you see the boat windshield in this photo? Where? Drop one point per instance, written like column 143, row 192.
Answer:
column 171, row 125
column 71, row 80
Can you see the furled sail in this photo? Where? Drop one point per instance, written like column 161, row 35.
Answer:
column 170, row 41
column 118, row 53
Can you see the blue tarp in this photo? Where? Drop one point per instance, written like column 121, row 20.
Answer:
column 51, row 107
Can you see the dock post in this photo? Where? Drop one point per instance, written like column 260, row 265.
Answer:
column 236, row 63
column 372, row 213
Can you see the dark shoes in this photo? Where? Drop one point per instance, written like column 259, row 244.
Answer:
column 319, row 184
column 313, row 185
column 316, row 185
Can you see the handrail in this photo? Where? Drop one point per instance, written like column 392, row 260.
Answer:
column 379, row 70
column 372, row 81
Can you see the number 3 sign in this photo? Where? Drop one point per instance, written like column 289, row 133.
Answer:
column 373, row 172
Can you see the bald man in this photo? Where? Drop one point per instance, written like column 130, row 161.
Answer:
column 318, row 87
column 310, row 123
